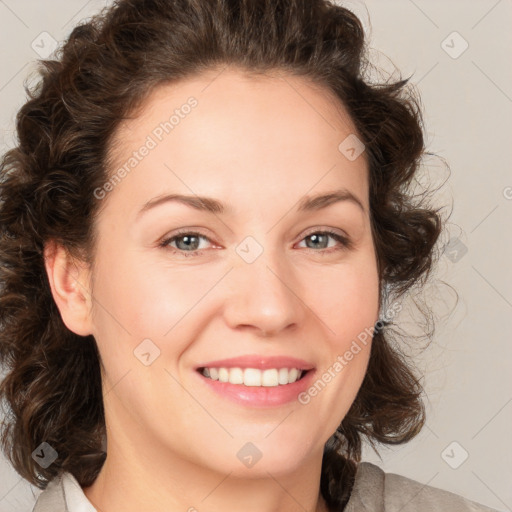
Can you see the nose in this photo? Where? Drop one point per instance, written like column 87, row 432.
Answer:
column 263, row 297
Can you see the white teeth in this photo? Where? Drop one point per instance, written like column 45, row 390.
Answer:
column 283, row 376
column 223, row 375
column 293, row 375
column 236, row 376
column 252, row 377
column 271, row 377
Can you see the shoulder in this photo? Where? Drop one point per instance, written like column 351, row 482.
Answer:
column 63, row 494
column 377, row 491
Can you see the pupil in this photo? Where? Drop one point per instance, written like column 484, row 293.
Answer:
column 316, row 237
column 187, row 240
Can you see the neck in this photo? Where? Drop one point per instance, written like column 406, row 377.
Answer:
column 153, row 479
column 193, row 489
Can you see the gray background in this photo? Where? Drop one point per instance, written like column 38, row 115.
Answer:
column 467, row 97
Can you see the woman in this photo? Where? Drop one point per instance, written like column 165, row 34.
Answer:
column 206, row 228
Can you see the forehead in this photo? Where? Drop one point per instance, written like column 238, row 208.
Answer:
column 265, row 131
column 233, row 97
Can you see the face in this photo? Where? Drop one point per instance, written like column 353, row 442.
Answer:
column 177, row 287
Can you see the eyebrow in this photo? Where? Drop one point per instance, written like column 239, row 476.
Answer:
column 211, row 205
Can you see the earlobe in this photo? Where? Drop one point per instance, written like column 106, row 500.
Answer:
column 69, row 283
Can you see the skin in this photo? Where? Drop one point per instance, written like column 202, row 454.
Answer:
column 259, row 145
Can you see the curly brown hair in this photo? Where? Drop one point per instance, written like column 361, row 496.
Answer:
column 103, row 73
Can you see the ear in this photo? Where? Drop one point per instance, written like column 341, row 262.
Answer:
column 69, row 282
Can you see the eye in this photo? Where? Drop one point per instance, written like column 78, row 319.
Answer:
column 188, row 242
column 322, row 237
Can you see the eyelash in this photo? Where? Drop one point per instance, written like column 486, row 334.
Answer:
column 346, row 243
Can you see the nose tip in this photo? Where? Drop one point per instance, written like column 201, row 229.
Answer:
column 263, row 301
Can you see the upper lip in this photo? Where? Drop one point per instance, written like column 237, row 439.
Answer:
column 259, row 361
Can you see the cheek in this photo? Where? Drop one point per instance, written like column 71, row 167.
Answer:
column 348, row 310
column 141, row 298
column 346, row 300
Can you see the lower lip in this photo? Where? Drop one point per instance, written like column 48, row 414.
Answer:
column 260, row 396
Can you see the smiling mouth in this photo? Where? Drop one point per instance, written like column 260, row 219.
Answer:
column 254, row 377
